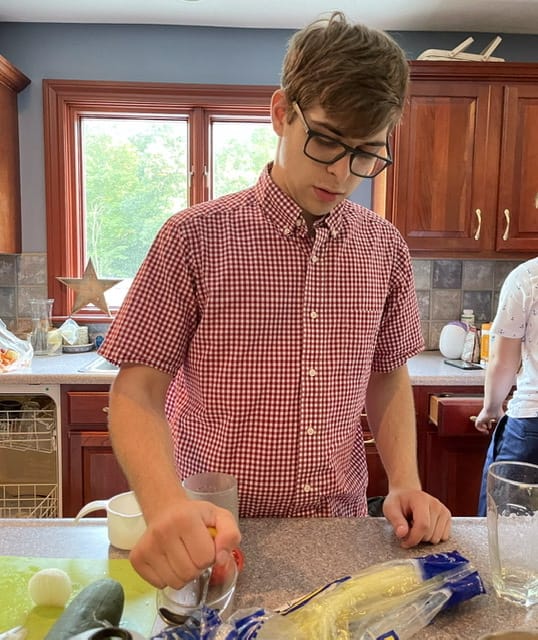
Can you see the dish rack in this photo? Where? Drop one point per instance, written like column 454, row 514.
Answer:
column 30, row 428
column 30, row 451
column 28, row 500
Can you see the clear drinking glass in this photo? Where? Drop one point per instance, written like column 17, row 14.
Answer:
column 221, row 490
column 512, row 516
column 42, row 323
column 215, row 487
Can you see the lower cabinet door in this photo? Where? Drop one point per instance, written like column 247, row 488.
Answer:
column 377, row 478
column 455, row 451
column 94, row 472
column 454, row 470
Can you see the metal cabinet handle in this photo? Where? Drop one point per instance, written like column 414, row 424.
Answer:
column 507, row 228
column 370, row 441
column 105, row 409
column 478, row 214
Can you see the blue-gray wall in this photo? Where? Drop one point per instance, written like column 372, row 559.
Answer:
column 152, row 53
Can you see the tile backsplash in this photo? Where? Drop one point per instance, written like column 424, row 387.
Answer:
column 444, row 288
column 22, row 277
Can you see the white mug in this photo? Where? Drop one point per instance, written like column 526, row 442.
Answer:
column 125, row 521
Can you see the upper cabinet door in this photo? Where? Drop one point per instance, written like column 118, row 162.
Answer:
column 445, row 170
column 11, row 82
column 465, row 179
column 517, row 227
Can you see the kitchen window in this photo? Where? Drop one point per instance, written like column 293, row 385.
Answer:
column 122, row 157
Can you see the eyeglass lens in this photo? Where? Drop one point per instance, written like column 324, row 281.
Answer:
column 326, row 150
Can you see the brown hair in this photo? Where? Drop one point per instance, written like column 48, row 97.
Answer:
column 358, row 75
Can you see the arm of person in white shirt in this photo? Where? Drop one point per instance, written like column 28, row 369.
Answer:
column 415, row 515
column 176, row 545
column 505, row 358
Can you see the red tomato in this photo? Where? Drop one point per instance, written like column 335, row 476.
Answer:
column 221, row 572
column 239, row 558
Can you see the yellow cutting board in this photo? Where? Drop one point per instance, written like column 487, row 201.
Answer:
column 16, row 606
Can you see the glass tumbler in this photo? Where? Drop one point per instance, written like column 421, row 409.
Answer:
column 42, row 322
column 512, row 518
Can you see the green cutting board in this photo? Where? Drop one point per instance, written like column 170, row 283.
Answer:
column 16, row 606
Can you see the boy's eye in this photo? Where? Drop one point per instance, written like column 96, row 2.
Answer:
column 327, row 142
column 370, row 149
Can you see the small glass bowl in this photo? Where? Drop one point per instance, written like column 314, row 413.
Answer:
column 186, row 601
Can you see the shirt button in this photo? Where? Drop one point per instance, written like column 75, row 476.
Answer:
column 299, row 222
column 334, row 233
column 314, row 315
column 307, row 488
column 314, row 259
column 312, row 372
column 310, row 431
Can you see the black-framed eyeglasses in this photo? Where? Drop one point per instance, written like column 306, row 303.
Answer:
column 325, row 149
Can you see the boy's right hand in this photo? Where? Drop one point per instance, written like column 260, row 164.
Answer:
column 178, row 543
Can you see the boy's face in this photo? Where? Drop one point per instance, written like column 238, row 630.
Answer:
column 315, row 187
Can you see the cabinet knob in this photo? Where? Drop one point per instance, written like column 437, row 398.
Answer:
column 370, row 441
column 105, row 409
column 507, row 228
column 478, row 214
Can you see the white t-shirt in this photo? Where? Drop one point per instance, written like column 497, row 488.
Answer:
column 517, row 317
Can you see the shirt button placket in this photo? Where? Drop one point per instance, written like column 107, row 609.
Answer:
column 312, row 337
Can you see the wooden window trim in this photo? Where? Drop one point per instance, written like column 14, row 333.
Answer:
column 64, row 102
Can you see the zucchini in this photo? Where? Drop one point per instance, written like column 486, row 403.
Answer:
column 97, row 605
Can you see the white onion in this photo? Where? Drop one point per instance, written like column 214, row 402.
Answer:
column 50, row 588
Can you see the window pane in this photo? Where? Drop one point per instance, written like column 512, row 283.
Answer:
column 240, row 151
column 134, row 178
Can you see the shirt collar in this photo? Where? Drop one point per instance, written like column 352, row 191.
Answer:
column 285, row 213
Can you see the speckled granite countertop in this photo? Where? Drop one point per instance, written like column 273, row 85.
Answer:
column 427, row 368
column 290, row 557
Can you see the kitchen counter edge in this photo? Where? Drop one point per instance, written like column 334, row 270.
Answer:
column 427, row 368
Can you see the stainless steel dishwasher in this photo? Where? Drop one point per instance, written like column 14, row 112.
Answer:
column 30, row 478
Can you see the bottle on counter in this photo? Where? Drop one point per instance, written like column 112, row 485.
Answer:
column 484, row 343
column 467, row 316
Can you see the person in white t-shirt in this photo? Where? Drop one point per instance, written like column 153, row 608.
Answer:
column 513, row 360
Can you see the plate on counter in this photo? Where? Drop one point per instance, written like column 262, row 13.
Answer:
column 77, row 348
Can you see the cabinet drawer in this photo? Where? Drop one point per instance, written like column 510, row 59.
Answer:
column 452, row 414
column 87, row 408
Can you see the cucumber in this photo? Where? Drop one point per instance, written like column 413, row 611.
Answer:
column 98, row 604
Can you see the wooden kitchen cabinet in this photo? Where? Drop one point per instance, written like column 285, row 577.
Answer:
column 464, row 178
column 12, row 81
column 377, row 478
column 452, row 451
column 89, row 467
column 450, row 457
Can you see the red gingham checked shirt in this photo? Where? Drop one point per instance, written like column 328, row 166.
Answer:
column 270, row 335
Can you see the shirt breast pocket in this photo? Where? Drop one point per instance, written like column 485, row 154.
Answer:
column 360, row 328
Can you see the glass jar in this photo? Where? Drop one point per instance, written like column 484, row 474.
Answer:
column 42, row 323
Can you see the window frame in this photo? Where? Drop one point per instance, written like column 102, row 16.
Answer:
column 65, row 102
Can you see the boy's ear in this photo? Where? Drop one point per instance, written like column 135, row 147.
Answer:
column 279, row 111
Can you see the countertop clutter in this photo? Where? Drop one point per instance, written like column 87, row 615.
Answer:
column 286, row 558
column 425, row 369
